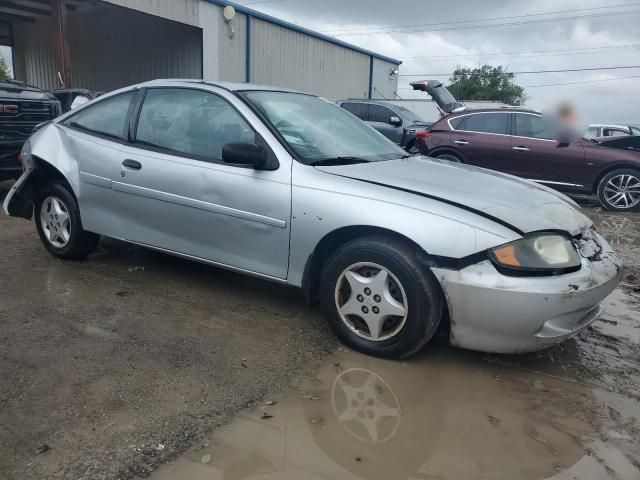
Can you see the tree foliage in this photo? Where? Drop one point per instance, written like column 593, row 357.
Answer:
column 4, row 70
column 486, row 83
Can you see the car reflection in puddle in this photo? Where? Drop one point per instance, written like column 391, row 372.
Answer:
column 445, row 414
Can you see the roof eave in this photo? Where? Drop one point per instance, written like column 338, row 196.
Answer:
column 306, row 31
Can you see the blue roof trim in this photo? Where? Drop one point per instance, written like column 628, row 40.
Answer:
column 306, row 31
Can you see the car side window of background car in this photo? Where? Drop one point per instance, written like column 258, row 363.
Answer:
column 107, row 117
column 360, row 110
column 458, row 123
column 191, row 122
column 378, row 113
column 614, row 132
column 487, row 123
column 532, row 126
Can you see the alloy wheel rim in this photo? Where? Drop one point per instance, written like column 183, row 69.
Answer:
column 371, row 301
column 56, row 222
column 623, row 191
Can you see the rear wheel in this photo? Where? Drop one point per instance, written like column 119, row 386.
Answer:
column 449, row 156
column 620, row 190
column 379, row 299
column 57, row 218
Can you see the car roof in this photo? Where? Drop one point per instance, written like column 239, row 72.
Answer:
column 231, row 86
column 468, row 110
column 608, row 125
column 372, row 102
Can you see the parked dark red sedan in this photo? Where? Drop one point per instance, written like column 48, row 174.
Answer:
column 519, row 141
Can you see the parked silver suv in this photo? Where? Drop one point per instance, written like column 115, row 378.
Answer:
column 293, row 189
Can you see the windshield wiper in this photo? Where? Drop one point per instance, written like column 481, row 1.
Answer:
column 338, row 161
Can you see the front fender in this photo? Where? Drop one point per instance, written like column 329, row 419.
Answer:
column 321, row 205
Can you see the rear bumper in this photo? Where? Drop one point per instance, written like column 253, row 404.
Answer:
column 491, row 312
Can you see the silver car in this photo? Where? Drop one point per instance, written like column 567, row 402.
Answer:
column 291, row 188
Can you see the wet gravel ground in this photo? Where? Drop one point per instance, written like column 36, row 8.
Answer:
column 111, row 367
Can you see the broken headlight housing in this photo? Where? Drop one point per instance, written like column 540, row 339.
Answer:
column 541, row 253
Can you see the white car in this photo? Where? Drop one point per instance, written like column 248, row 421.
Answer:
column 599, row 130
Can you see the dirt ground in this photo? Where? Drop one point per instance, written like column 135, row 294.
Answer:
column 112, row 367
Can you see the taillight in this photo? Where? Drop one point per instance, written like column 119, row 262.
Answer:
column 423, row 135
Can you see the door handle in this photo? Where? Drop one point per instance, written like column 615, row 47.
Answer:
column 461, row 142
column 132, row 164
column 521, row 149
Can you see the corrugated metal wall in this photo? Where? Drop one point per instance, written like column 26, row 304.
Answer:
column 185, row 11
column 233, row 50
column 384, row 85
column 286, row 58
column 110, row 47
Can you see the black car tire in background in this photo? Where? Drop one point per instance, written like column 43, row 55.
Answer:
column 611, row 182
column 423, row 299
column 449, row 156
column 80, row 242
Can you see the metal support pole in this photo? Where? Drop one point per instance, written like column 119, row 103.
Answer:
column 61, row 43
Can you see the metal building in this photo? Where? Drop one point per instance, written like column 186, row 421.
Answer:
column 106, row 44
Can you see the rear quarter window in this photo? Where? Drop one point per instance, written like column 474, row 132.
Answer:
column 107, row 117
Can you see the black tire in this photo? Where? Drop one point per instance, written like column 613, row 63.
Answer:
column 423, row 295
column 449, row 156
column 80, row 242
column 604, row 191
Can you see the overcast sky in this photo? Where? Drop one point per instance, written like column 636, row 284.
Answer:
column 614, row 25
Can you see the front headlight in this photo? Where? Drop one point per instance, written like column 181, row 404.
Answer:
column 542, row 252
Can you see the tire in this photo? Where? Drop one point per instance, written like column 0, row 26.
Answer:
column 59, row 226
column 409, row 283
column 449, row 156
column 619, row 190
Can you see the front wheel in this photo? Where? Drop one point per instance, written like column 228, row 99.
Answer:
column 379, row 299
column 620, row 190
column 57, row 218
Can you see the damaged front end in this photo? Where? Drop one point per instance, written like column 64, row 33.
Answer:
column 494, row 312
column 19, row 200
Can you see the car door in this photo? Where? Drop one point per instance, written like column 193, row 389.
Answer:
column 380, row 119
column 96, row 135
column 542, row 158
column 175, row 193
column 483, row 139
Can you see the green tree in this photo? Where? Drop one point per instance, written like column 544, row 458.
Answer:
column 486, row 83
column 4, row 70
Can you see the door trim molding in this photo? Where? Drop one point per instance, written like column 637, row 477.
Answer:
column 198, row 204
column 556, row 183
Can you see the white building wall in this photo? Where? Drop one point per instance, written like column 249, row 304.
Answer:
column 291, row 59
column 384, row 85
column 232, row 44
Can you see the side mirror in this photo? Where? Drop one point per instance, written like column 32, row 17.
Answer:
column 395, row 121
column 244, row 153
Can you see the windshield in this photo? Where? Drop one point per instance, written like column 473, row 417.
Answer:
column 409, row 115
column 635, row 129
column 318, row 130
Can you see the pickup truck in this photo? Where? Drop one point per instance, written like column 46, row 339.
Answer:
column 22, row 107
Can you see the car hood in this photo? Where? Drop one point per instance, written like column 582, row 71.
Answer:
column 522, row 205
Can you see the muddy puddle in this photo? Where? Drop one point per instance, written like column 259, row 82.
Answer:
column 445, row 414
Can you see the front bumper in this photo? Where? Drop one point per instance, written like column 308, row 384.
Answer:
column 492, row 312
